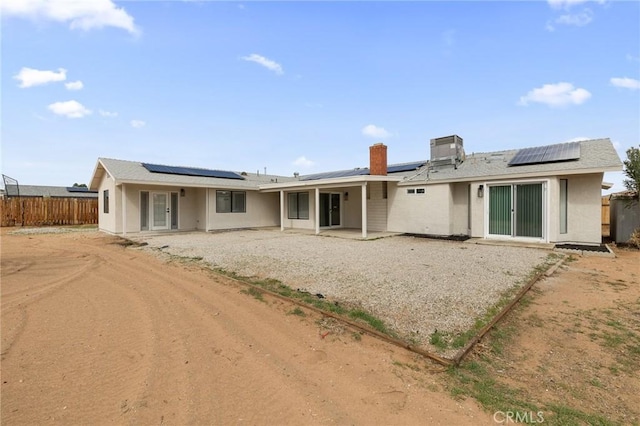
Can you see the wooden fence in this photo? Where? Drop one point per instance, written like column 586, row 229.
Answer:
column 605, row 215
column 36, row 211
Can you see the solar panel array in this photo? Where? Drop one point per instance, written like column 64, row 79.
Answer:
column 191, row 171
column 405, row 167
column 80, row 189
column 337, row 174
column 547, row 154
column 392, row 168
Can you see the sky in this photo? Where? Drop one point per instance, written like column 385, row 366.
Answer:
column 307, row 86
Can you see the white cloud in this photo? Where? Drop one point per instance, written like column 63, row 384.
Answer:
column 556, row 95
column 108, row 113
column 265, row 62
column 81, row 14
column 374, row 131
column 630, row 57
column 579, row 138
column 74, row 85
column 30, row 77
column 303, row 162
column 626, row 83
column 137, row 123
column 69, row 109
column 564, row 4
column 567, row 4
column 576, row 19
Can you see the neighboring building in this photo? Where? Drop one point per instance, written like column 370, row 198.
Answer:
column 56, row 191
column 543, row 194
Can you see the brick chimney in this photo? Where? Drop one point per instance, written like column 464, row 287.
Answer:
column 378, row 159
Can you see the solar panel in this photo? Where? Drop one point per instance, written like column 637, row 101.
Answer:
column 405, row 167
column 190, row 171
column 547, row 154
column 337, row 174
column 80, row 189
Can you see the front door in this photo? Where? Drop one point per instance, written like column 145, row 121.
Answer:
column 160, row 211
column 329, row 209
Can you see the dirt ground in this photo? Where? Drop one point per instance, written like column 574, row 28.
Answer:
column 574, row 344
column 94, row 333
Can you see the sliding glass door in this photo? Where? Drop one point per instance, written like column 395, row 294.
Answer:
column 516, row 210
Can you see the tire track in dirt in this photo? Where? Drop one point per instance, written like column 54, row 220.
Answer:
column 133, row 340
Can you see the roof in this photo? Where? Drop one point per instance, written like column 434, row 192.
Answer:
column 55, row 191
column 596, row 156
column 399, row 169
column 134, row 172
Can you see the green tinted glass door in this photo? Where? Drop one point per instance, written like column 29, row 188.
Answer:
column 500, row 210
column 529, row 210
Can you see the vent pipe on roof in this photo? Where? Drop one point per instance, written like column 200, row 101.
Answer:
column 378, row 159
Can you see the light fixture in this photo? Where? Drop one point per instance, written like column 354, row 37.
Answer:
column 480, row 191
column 182, row 192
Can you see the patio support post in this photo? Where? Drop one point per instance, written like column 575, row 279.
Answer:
column 364, row 210
column 317, row 211
column 281, row 210
column 206, row 210
column 124, row 209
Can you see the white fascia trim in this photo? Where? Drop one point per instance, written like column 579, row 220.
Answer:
column 328, row 183
column 119, row 182
column 532, row 175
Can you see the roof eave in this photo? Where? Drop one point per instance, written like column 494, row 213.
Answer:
column 514, row 176
column 333, row 182
column 95, row 178
column 119, row 182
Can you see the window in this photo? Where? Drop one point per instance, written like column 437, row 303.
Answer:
column 298, row 205
column 144, row 211
column 563, row 205
column 419, row 190
column 105, row 201
column 230, row 202
column 411, row 191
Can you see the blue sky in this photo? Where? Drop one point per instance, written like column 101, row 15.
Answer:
column 307, row 86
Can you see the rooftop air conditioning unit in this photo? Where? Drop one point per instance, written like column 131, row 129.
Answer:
column 447, row 148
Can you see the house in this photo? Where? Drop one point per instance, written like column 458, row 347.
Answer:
column 541, row 194
column 55, row 191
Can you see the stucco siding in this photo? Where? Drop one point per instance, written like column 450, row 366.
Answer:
column 262, row 209
column 107, row 221
column 428, row 213
column 352, row 208
column 584, row 209
column 200, row 206
column 460, row 209
column 477, row 210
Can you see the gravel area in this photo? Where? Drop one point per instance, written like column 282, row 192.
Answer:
column 53, row 230
column 415, row 285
